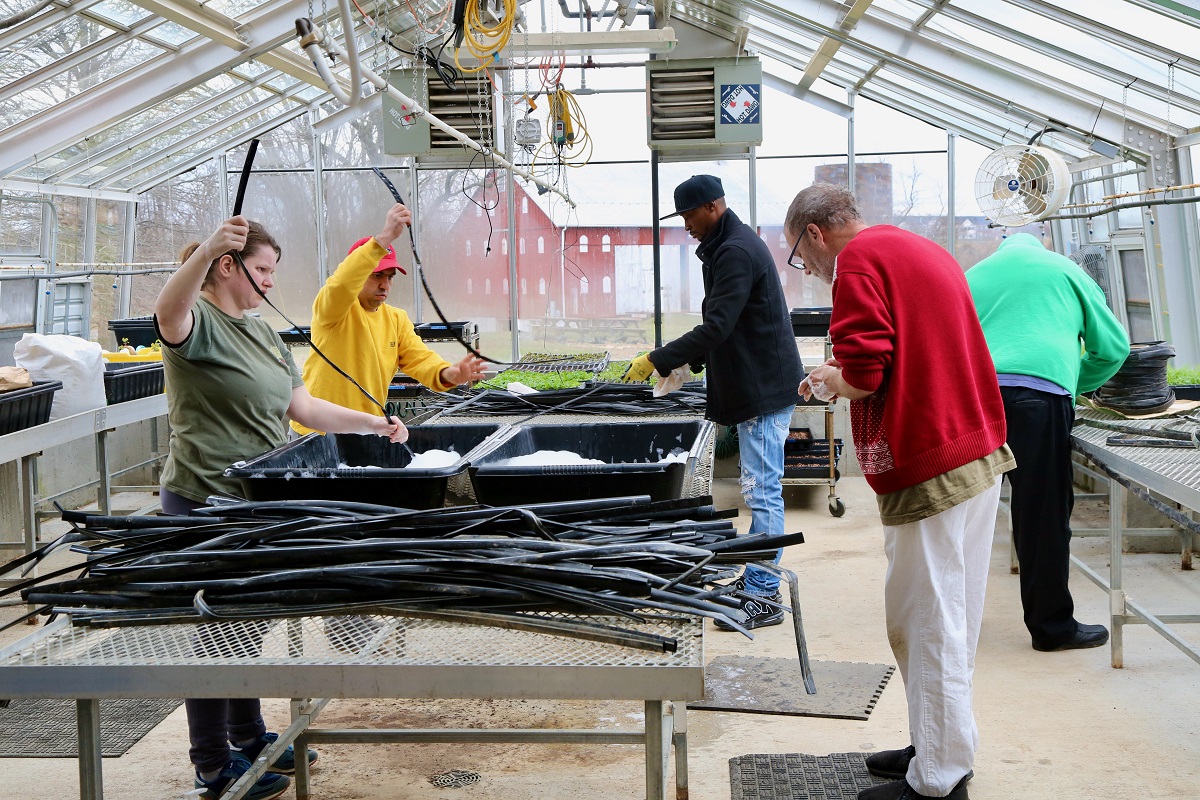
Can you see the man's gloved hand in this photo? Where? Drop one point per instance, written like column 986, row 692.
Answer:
column 672, row 382
column 639, row 370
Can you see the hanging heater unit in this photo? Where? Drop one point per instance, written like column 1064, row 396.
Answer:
column 704, row 107
column 468, row 108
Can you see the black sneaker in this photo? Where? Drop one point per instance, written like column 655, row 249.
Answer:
column 267, row 787
column 754, row 613
column 285, row 762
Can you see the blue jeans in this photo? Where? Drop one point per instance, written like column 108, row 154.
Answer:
column 760, row 444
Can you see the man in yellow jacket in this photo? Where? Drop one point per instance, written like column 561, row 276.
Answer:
column 353, row 325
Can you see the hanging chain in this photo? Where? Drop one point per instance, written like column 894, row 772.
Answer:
column 1168, row 149
column 310, row 10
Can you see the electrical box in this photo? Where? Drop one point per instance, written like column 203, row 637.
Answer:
column 468, row 108
column 713, row 105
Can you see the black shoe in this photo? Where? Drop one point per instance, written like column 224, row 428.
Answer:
column 1085, row 636
column 900, row 790
column 754, row 613
column 891, row 763
column 894, row 763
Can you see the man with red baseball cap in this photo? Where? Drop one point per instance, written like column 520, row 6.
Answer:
column 354, row 326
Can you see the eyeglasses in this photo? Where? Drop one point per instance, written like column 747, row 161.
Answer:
column 794, row 261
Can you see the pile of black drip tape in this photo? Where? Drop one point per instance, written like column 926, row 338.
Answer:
column 1140, row 385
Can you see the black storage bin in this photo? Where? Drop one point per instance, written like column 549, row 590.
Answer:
column 135, row 331
column 310, row 467
column 811, row 321
column 631, row 451
column 25, row 408
column 293, row 336
column 132, row 380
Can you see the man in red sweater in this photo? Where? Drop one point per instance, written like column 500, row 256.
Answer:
column 928, row 425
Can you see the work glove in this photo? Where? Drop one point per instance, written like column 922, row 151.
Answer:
column 672, row 381
column 639, row 370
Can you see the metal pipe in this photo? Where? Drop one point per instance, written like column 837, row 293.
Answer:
column 351, row 52
column 310, row 40
column 1166, row 201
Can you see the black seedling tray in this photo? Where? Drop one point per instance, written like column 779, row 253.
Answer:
column 811, row 321
column 25, row 408
column 310, row 467
column 630, row 450
column 131, row 380
column 135, row 331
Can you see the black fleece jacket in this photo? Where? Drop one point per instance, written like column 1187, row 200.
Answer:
column 746, row 338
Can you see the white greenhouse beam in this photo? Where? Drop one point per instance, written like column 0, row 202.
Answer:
column 198, row 19
column 580, row 43
column 9, row 185
column 829, row 46
column 369, row 104
column 157, row 81
column 1181, row 10
column 807, row 95
column 297, row 66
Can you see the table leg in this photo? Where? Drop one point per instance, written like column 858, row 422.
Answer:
column 1116, row 597
column 679, row 740
column 301, row 749
column 87, row 720
column 656, row 774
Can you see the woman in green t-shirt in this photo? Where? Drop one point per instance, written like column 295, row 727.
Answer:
column 231, row 387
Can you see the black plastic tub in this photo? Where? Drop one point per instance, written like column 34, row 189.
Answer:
column 811, row 321
column 632, row 452
column 1187, row 391
column 363, row 468
column 25, row 408
column 132, row 380
column 135, row 331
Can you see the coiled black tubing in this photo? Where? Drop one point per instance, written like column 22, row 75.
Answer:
column 1140, row 385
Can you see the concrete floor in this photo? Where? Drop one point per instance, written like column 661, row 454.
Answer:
column 1053, row 725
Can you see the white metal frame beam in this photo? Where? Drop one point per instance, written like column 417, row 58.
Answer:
column 197, row 18
column 10, row 185
column 40, row 22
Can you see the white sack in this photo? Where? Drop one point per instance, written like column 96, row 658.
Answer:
column 76, row 362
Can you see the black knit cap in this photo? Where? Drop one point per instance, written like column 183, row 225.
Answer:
column 695, row 192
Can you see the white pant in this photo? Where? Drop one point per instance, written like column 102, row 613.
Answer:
column 933, row 600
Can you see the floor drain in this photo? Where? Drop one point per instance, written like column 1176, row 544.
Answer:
column 455, row 779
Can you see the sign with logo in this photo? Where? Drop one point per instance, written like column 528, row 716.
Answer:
column 741, row 103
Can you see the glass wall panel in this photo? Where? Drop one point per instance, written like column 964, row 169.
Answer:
column 106, row 289
column 20, row 225
column 356, row 203
column 169, row 217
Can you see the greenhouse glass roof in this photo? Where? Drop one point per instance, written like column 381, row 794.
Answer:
column 111, row 98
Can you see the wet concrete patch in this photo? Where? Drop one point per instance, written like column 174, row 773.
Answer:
column 758, row 685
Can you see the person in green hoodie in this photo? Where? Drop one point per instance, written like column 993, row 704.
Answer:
column 1052, row 337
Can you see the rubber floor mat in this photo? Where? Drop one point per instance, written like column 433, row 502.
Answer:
column 47, row 729
column 799, row 776
column 758, row 685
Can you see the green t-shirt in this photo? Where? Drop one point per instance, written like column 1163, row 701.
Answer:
column 228, row 388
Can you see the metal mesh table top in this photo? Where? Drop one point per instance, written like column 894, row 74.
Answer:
column 356, row 640
column 1173, row 471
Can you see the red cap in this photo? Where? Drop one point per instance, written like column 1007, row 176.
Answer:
column 387, row 262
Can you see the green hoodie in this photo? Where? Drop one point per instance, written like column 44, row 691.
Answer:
column 1044, row 316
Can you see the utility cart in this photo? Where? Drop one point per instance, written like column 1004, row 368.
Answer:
column 809, row 461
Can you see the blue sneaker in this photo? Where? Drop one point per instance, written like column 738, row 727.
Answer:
column 285, row 763
column 267, row 787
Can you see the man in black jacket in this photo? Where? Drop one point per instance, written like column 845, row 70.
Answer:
column 754, row 370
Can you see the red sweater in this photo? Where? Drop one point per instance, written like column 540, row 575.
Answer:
column 904, row 327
